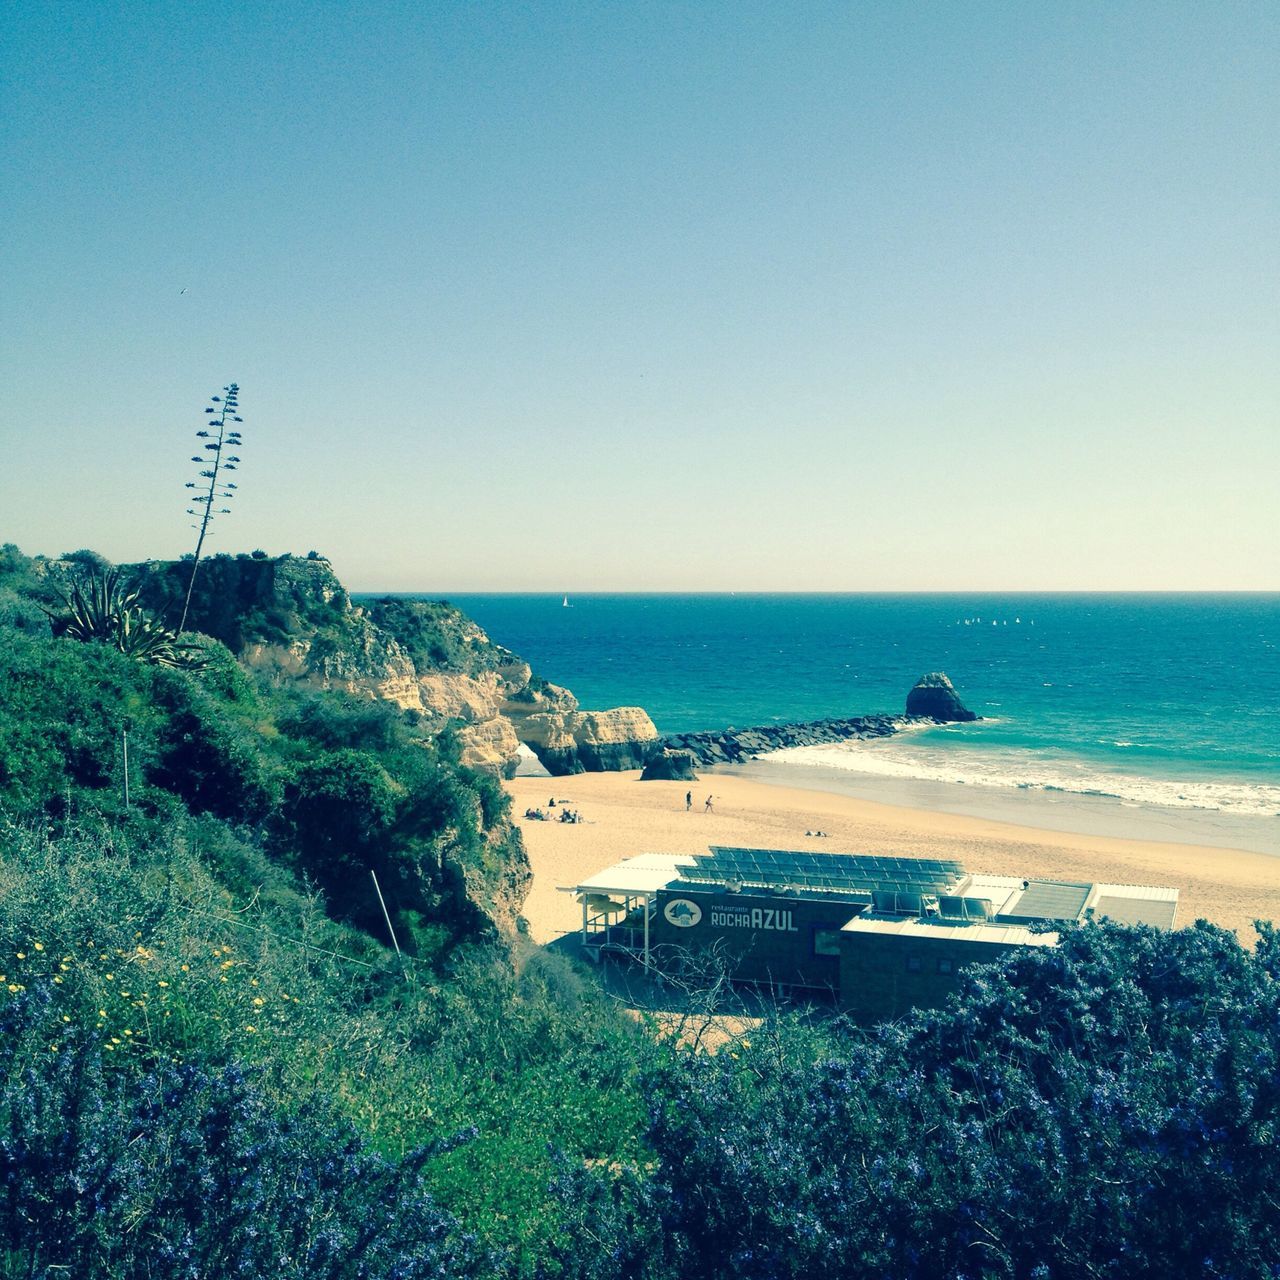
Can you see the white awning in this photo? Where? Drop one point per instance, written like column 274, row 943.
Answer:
column 646, row 873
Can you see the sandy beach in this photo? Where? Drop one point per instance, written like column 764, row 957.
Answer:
column 623, row 817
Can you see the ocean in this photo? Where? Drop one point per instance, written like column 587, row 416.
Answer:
column 1140, row 715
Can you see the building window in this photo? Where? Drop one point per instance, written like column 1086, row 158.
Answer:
column 946, row 966
column 913, row 964
column 826, row 942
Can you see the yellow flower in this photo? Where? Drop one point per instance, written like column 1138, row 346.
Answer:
column 65, row 1018
column 22, row 955
column 64, row 967
column 162, row 984
column 116, row 1040
column 128, row 1032
column 251, row 1030
column 258, row 1001
column 104, row 956
column 110, row 1047
column 186, row 968
column 14, row 987
column 111, row 977
column 102, row 1013
column 226, row 964
column 57, row 977
column 53, row 1048
column 124, row 995
column 39, row 946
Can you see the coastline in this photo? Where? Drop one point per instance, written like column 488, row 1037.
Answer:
column 1069, row 812
column 624, row 817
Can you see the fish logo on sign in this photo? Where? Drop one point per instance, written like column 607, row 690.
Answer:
column 682, row 913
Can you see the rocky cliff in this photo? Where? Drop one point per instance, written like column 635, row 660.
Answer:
column 291, row 619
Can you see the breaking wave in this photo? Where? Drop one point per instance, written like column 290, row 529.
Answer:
column 1033, row 771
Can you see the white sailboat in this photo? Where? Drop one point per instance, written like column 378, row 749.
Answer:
column 564, row 604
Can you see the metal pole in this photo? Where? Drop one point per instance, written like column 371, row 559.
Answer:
column 646, row 930
column 386, row 915
column 125, row 734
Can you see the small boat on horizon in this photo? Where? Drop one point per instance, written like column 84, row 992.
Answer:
column 564, row 604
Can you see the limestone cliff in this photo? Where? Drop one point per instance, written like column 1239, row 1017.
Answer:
column 291, row 619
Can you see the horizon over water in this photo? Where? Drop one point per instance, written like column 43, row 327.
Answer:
column 1131, row 714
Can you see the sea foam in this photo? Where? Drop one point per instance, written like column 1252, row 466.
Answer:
column 1033, row 771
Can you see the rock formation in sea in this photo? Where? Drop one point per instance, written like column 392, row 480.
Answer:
column 934, row 697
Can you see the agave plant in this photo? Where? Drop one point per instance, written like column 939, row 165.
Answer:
column 99, row 607
column 218, row 456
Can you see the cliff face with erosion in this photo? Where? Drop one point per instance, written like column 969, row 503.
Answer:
column 291, row 619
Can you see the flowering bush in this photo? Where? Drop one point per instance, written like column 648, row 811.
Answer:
column 1108, row 1107
column 185, row 1172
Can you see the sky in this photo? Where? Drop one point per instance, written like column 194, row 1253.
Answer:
column 637, row 296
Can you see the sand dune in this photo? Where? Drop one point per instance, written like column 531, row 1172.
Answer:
column 624, row 816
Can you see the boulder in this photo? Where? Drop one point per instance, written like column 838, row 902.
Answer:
column 935, row 697
column 670, row 766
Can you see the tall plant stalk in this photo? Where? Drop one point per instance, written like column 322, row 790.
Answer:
column 222, row 414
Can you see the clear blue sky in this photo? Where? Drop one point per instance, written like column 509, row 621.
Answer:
column 636, row 296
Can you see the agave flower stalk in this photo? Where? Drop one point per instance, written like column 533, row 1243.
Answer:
column 220, row 445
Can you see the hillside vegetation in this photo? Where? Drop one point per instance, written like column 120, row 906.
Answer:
column 213, row 1062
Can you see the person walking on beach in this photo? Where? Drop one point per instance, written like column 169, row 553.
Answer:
column 688, row 801
column 706, row 808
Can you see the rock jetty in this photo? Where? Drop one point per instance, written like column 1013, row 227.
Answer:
column 734, row 746
column 933, row 698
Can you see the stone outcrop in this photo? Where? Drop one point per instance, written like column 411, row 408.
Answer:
column 934, row 697
column 489, row 744
column 669, row 766
column 589, row 741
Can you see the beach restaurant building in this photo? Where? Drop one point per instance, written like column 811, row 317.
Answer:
column 881, row 934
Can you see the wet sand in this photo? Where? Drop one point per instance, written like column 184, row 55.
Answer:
column 624, row 817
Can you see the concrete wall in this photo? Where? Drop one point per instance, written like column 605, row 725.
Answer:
column 886, row 976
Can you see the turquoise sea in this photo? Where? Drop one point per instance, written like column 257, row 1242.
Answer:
column 1123, row 714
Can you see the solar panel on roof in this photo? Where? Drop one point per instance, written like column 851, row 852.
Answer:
column 1046, row 900
column 846, row 872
